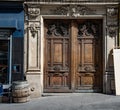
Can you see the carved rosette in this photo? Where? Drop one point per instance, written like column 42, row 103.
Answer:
column 73, row 10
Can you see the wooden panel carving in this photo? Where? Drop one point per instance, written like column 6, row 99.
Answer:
column 73, row 55
column 88, row 49
column 58, row 55
column 57, row 52
column 88, row 53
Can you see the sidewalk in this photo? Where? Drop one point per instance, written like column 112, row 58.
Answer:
column 69, row 101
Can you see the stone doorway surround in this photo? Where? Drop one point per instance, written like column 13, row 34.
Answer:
column 36, row 12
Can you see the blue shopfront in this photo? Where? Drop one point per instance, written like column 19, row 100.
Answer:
column 11, row 41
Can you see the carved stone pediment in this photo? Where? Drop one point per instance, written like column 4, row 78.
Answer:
column 73, row 10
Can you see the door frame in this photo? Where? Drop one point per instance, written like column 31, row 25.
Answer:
column 104, row 42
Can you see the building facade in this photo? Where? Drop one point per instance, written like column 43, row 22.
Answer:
column 11, row 41
column 68, row 45
column 59, row 45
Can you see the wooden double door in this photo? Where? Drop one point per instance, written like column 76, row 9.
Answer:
column 73, row 55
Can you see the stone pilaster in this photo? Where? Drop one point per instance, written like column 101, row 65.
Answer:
column 32, row 49
column 112, row 42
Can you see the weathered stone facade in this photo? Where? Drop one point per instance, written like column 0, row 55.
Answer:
column 37, row 11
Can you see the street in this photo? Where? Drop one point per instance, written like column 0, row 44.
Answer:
column 70, row 101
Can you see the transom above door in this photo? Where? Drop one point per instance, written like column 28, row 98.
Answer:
column 73, row 55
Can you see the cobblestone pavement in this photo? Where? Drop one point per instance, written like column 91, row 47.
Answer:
column 69, row 101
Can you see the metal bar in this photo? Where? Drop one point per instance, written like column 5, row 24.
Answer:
column 10, row 61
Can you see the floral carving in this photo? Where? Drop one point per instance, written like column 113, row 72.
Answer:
column 61, row 10
column 58, row 29
column 73, row 10
column 87, row 29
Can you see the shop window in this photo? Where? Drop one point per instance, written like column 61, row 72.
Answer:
column 16, row 68
column 4, row 66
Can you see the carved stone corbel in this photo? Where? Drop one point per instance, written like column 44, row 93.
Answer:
column 112, row 11
column 34, row 29
column 33, row 12
column 112, row 30
column 112, row 20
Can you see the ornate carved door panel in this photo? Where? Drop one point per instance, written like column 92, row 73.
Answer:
column 57, row 60
column 89, row 55
column 73, row 55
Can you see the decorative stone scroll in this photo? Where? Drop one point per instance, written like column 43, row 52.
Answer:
column 73, row 10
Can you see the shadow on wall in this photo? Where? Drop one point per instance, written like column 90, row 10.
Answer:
column 110, row 83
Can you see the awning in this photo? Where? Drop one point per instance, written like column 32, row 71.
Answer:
column 11, row 24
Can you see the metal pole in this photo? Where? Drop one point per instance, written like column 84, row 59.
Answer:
column 10, row 61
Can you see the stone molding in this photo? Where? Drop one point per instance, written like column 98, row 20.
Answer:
column 33, row 46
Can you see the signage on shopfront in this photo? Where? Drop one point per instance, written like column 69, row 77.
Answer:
column 12, row 17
